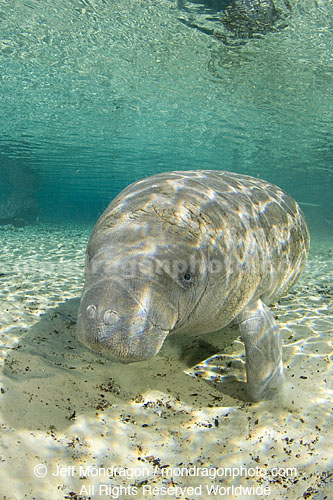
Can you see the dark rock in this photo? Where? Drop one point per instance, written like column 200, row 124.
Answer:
column 230, row 20
column 251, row 18
column 18, row 222
column 18, row 209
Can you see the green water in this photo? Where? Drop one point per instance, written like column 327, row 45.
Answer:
column 97, row 94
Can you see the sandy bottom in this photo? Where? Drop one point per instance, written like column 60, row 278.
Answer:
column 73, row 425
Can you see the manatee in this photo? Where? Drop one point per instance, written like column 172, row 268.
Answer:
column 193, row 252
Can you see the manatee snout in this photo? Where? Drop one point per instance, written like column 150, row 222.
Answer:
column 114, row 321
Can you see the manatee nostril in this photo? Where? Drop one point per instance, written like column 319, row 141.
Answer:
column 110, row 317
column 91, row 311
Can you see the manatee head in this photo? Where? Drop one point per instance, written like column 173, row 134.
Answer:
column 135, row 297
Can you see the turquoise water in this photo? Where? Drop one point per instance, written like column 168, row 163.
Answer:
column 96, row 94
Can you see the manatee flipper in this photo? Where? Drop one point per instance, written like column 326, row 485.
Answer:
column 261, row 336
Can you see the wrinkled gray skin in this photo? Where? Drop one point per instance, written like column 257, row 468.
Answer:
column 192, row 252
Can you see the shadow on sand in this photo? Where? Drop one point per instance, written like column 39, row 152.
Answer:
column 50, row 378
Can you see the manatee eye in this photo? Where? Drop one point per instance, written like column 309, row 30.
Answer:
column 187, row 279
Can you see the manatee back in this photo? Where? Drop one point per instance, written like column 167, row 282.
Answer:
column 257, row 231
column 268, row 219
